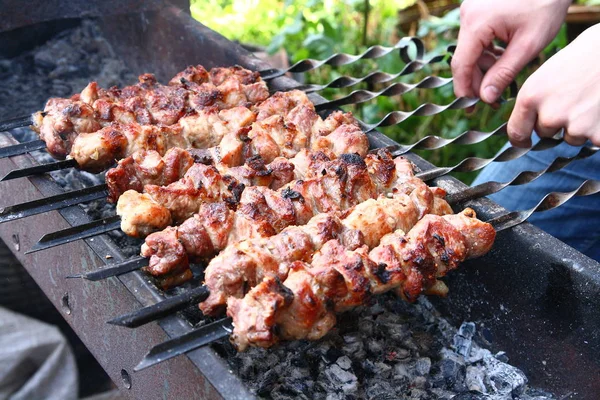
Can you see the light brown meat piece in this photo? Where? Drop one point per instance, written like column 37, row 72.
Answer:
column 263, row 212
column 141, row 215
column 200, row 184
column 259, row 307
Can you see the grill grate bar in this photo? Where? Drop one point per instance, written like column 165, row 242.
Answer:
column 22, row 148
column 187, row 342
column 77, row 232
column 56, row 202
column 39, row 169
column 162, row 308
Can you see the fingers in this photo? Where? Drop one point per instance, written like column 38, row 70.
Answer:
column 469, row 48
column 522, row 121
column 574, row 140
column 505, row 70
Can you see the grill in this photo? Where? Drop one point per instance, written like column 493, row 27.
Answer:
column 549, row 291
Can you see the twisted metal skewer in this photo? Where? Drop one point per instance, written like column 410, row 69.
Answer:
column 340, row 59
column 395, row 89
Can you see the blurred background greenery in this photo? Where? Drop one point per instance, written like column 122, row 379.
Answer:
column 319, row 28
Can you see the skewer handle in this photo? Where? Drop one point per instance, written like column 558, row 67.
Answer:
column 162, row 308
column 186, row 342
column 22, row 148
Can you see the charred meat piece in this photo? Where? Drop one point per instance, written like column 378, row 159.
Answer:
column 339, row 279
column 262, row 212
column 145, row 103
column 243, row 265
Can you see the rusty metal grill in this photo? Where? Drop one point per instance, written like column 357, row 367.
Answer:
column 162, row 305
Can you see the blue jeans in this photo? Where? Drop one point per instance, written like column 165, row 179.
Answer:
column 577, row 222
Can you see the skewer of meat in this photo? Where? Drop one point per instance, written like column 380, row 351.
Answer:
column 201, row 184
column 339, row 278
column 146, row 103
column 242, row 265
column 263, row 212
column 235, row 134
column 337, row 134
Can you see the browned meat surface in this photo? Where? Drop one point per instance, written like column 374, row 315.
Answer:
column 202, row 128
column 146, row 103
column 338, row 279
column 262, row 212
column 205, row 183
column 242, row 265
column 147, row 168
column 200, row 184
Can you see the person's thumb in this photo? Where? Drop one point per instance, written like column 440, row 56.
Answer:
column 505, row 70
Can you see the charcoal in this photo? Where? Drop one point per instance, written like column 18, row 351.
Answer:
column 418, row 394
column 474, row 379
column 267, row 382
column 501, row 356
column 504, row 379
column 380, row 390
column 464, row 338
column 344, row 362
column 422, row 366
column 374, row 347
column 340, row 379
column 419, row 382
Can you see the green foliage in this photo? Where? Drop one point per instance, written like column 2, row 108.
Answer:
column 588, row 2
column 317, row 29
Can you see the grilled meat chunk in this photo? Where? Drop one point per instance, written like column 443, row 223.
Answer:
column 338, row 279
column 146, row 103
column 244, row 264
column 147, row 168
column 140, row 215
column 263, row 212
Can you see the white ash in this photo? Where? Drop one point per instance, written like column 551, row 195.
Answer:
column 387, row 350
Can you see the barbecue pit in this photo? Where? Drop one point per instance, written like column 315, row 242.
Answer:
column 557, row 289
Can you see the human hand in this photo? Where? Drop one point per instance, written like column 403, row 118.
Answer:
column 526, row 26
column 563, row 93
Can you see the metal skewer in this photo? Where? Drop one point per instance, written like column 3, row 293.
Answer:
column 22, row 148
column 78, row 232
column 162, row 308
column 39, row 169
column 187, row 342
column 17, row 122
column 56, row 202
column 467, row 165
column 465, row 195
